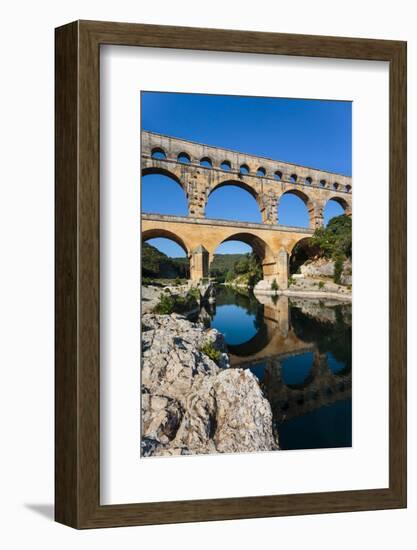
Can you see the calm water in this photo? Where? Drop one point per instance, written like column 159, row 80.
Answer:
column 300, row 350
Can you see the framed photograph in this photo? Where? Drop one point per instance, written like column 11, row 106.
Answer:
column 230, row 274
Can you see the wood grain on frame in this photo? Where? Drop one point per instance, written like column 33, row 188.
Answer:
column 77, row 360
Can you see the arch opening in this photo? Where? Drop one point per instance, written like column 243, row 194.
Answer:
column 162, row 193
column 164, row 257
column 297, row 370
column 241, row 257
column 184, row 158
column 334, row 207
column 226, row 166
column 244, row 169
column 206, row 162
column 302, row 251
column 158, row 153
column 278, row 175
column 261, row 172
column 293, row 178
column 233, row 200
column 309, row 180
column 295, row 209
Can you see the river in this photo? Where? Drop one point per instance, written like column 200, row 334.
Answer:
column 300, row 351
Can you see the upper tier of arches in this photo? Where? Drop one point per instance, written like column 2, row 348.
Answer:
column 249, row 166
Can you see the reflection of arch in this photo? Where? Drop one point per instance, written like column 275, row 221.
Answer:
column 255, row 345
column 306, row 200
column 155, row 233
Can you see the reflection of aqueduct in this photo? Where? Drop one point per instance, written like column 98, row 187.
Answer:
column 200, row 169
column 321, row 387
column 279, row 340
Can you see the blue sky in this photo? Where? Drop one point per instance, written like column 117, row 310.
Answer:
column 308, row 132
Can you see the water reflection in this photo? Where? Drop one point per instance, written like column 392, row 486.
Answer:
column 300, row 350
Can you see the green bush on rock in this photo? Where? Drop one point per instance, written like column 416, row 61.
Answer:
column 211, row 352
column 171, row 303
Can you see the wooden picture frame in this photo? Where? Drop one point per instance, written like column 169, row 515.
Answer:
column 77, row 405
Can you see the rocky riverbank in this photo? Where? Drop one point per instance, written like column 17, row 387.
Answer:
column 192, row 403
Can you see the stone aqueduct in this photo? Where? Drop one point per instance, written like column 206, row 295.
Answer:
column 200, row 169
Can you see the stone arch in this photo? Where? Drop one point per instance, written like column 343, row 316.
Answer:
column 225, row 165
column 345, row 204
column 306, row 200
column 164, row 233
column 158, row 153
column 182, row 197
column 241, row 184
column 237, row 183
column 163, row 172
column 300, row 252
column 183, row 158
column 206, row 162
column 259, row 247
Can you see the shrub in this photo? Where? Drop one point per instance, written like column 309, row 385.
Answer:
column 177, row 281
column 274, row 285
column 211, row 352
column 194, row 293
column 291, row 281
column 166, row 304
column 338, row 268
column 169, row 303
column 321, row 284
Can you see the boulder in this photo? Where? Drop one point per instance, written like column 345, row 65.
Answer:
column 190, row 405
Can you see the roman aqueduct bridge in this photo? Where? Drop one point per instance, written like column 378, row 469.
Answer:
column 201, row 169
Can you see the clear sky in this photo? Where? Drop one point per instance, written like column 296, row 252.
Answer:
column 313, row 133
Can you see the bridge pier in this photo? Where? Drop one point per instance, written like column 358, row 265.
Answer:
column 199, row 264
column 282, row 269
column 318, row 219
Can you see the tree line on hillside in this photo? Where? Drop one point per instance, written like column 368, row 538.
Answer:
column 157, row 265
